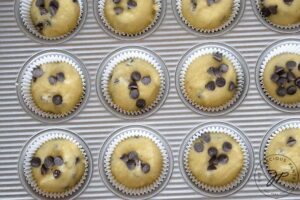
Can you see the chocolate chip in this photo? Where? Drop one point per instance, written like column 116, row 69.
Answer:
column 60, row 76
column 223, row 159
column 146, row 80
column 291, row 76
column 218, row 56
column 206, row 137
column 281, row 81
column 297, row 82
column 44, row 170
column 140, row 103
column 213, row 160
column 134, row 94
column 39, row 26
column 198, row 146
column 116, row 1
column 274, row 77
column 279, row 70
column 116, row 81
column 75, row 1
column 211, row 71
column 131, row 164
column 223, row 68
column 56, row 174
column 40, row 3
column 273, row 9
column 37, row 72
column 210, row 86
column 265, row 12
column 57, row 99
column 212, row 151
column 210, row 2
column 135, row 76
column 194, row 4
column 211, row 167
column 43, row 11
column 291, row 90
column 232, row 86
column 299, row 66
column 132, row 85
column 53, row 7
column 288, row 2
column 77, row 160
column 132, row 155
column 118, row 10
column 35, row 162
column 52, row 80
column 131, row 4
column 58, row 161
column 284, row 75
column 290, row 65
column 220, row 82
column 227, row 146
column 281, row 91
column 124, row 157
column 145, row 167
column 49, row 161
column 291, row 141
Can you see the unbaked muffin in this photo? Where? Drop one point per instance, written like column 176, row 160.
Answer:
column 281, row 78
column 57, row 166
column 134, row 84
column 210, row 80
column 56, row 87
column 136, row 162
column 286, row 143
column 281, row 12
column 54, row 18
column 215, row 159
column 206, row 14
column 130, row 16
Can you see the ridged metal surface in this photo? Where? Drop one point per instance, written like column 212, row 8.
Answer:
column 174, row 120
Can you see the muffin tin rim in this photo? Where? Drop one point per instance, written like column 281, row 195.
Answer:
column 241, row 134
column 70, row 133
column 31, row 36
column 244, row 68
column 111, row 137
column 56, row 52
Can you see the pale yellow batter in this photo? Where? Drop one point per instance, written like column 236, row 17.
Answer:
column 202, row 16
column 130, row 19
column 147, row 152
column 72, row 169
column 224, row 173
column 121, row 78
column 60, row 22
column 197, row 77
column 280, row 145
column 70, row 89
column 271, row 86
column 287, row 14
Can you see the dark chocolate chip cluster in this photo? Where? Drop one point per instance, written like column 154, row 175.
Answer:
column 285, row 79
column 272, row 10
column 217, row 72
column 132, row 161
column 118, row 9
column 215, row 157
column 49, row 165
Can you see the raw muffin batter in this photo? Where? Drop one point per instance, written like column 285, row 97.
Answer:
column 210, row 80
column 136, row 162
column 215, row 159
column 282, row 12
column 57, row 166
column 56, row 87
column 53, row 18
column 130, row 16
column 134, row 84
column 281, row 78
column 286, row 143
column 206, row 14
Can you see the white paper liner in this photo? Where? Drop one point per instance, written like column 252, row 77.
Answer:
column 233, row 16
column 27, row 81
column 25, row 6
column 281, row 49
column 38, row 142
column 110, row 150
column 123, row 57
column 236, row 65
column 279, row 130
column 237, row 180
column 258, row 4
column 101, row 12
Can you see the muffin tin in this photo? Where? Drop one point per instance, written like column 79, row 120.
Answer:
column 94, row 123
